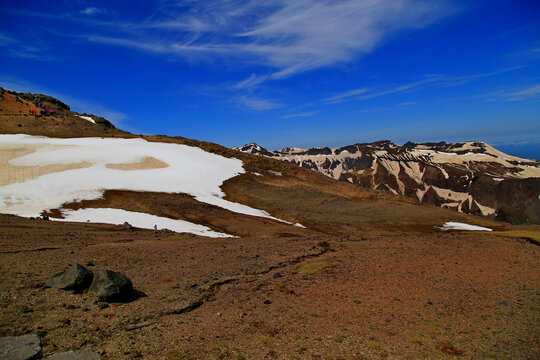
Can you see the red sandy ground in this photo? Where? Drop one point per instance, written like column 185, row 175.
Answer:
column 403, row 296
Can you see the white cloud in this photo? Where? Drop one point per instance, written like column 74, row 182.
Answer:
column 365, row 94
column 305, row 114
column 288, row 36
column 92, row 11
column 259, row 104
column 530, row 92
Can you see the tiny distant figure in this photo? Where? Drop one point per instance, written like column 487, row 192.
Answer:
column 155, row 227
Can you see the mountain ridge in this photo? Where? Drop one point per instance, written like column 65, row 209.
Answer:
column 471, row 177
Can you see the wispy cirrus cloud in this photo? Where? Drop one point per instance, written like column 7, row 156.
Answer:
column 300, row 115
column 440, row 80
column 290, row 37
column 365, row 94
column 18, row 48
column 92, row 11
column 256, row 103
column 531, row 92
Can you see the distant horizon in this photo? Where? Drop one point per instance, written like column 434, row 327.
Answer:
column 305, row 73
column 526, row 151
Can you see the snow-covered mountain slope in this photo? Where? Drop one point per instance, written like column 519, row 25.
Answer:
column 41, row 173
column 472, row 177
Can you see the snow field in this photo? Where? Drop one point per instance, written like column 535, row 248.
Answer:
column 190, row 170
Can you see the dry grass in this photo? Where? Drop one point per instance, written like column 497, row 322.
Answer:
column 316, row 267
column 531, row 235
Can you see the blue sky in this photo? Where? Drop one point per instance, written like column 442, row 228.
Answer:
column 287, row 73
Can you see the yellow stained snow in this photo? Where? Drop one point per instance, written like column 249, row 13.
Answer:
column 146, row 164
column 10, row 174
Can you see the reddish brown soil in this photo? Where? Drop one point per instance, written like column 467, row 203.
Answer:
column 424, row 296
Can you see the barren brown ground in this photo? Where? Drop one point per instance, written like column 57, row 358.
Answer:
column 402, row 296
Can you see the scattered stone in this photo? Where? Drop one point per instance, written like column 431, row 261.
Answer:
column 111, row 286
column 25, row 309
column 103, row 305
column 267, row 302
column 218, row 314
column 76, row 277
column 87, row 354
column 430, row 303
column 357, row 302
column 25, row 347
column 45, row 218
column 127, row 226
column 277, row 275
column 70, row 307
column 506, row 303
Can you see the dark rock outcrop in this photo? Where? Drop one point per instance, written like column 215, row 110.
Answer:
column 112, row 286
column 76, row 277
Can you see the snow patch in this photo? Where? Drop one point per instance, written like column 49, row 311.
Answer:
column 137, row 219
column 87, row 118
column 462, row 226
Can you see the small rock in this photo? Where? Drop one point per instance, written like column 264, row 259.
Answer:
column 127, row 226
column 85, row 308
column 506, row 303
column 103, row 305
column 90, row 263
column 26, row 347
column 76, row 277
column 112, row 286
column 277, row 275
column 70, row 307
column 357, row 302
column 430, row 303
column 45, row 218
column 267, row 302
column 25, row 309
column 87, row 354
column 218, row 314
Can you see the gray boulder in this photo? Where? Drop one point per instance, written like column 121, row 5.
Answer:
column 87, row 354
column 112, row 286
column 76, row 277
column 26, row 347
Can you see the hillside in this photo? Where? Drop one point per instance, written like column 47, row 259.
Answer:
column 251, row 257
column 470, row 177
